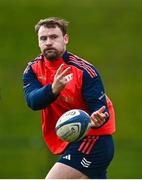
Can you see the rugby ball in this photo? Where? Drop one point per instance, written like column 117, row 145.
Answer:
column 73, row 125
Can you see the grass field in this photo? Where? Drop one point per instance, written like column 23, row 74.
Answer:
column 108, row 33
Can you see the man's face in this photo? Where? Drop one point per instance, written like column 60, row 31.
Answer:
column 52, row 43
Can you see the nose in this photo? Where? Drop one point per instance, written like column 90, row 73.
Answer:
column 48, row 42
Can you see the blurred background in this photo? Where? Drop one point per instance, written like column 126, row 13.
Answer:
column 108, row 33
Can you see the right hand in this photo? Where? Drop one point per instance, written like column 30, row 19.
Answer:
column 98, row 118
column 61, row 79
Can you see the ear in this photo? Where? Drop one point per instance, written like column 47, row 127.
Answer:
column 66, row 38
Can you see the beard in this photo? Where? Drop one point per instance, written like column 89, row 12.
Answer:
column 51, row 54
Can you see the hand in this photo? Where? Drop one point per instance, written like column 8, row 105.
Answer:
column 61, row 79
column 98, row 118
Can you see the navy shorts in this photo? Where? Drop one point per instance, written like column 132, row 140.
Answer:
column 91, row 155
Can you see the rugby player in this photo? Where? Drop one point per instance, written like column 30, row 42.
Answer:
column 57, row 81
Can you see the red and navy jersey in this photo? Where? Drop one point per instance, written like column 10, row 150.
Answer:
column 85, row 91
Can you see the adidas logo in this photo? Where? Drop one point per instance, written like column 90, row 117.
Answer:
column 68, row 157
column 85, row 163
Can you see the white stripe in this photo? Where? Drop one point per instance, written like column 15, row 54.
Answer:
column 27, row 85
column 86, row 161
column 87, row 164
column 84, row 165
column 101, row 96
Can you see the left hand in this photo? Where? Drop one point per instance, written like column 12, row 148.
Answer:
column 98, row 118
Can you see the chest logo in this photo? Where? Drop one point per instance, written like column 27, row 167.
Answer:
column 43, row 78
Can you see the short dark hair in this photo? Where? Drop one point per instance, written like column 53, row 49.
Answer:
column 52, row 22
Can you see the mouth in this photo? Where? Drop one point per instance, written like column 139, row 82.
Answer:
column 50, row 49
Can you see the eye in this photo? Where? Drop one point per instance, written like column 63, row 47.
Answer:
column 43, row 38
column 54, row 36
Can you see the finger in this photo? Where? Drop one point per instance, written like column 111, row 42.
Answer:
column 59, row 70
column 100, row 115
column 106, row 114
column 101, row 109
column 62, row 74
column 98, row 119
column 95, row 122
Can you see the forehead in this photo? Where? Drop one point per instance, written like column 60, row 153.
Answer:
column 49, row 31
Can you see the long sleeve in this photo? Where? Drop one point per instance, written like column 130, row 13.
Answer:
column 37, row 96
column 93, row 92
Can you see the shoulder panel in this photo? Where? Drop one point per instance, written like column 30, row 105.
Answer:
column 82, row 64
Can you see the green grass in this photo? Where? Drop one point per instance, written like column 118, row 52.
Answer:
column 105, row 32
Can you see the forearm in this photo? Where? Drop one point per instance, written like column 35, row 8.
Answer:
column 40, row 98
